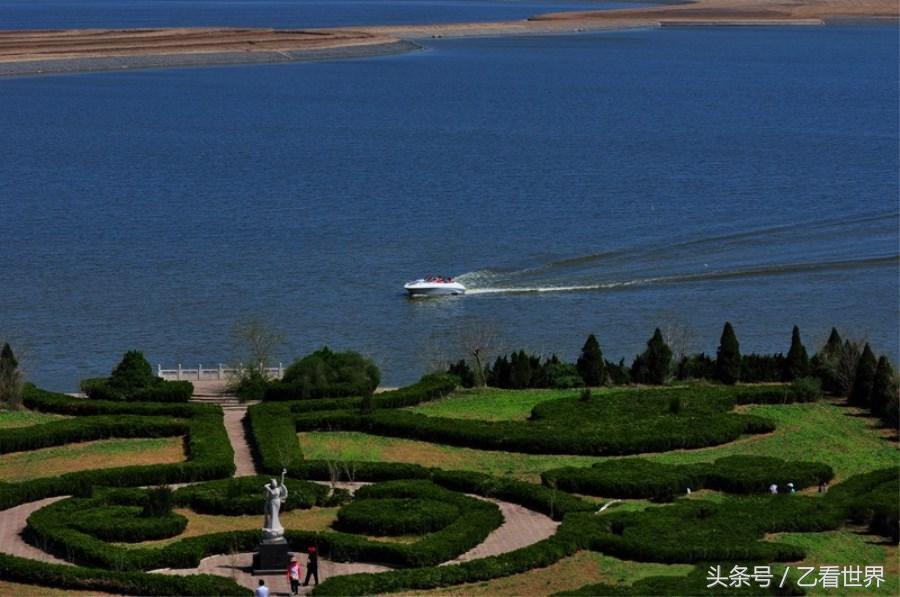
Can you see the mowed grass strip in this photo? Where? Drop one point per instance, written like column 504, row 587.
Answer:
column 102, row 454
column 826, row 432
column 374, row 448
column 314, row 519
column 583, row 568
column 11, row 419
column 491, row 404
column 846, row 547
column 20, row 590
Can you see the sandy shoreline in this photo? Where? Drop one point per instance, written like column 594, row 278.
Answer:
column 81, row 50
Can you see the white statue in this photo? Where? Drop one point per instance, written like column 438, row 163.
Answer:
column 275, row 495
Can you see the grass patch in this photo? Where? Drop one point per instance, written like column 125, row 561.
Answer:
column 491, row 404
column 10, row 419
column 110, row 453
column 812, row 432
column 846, row 547
column 375, row 448
column 314, row 519
column 20, row 590
column 583, row 568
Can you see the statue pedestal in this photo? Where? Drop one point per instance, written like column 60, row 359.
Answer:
column 271, row 557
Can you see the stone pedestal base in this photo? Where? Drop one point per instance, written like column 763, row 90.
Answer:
column 271, row 557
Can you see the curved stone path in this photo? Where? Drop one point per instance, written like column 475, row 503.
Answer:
column 12, row 523
column 521, row 527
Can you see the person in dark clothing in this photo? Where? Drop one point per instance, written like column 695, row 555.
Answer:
column 312, row 566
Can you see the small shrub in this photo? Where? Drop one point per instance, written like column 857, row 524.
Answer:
column 585, row 395
column 395, row 516
column 158, row 502
column 806, row 389
column 675, row 405
column 326, row 374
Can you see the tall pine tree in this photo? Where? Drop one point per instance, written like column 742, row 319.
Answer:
column 863, row 381
column 657, row 359
column 796, row 365
column 824, row 364
column 10, row 378
column 728, row 357
column 884, row 387
column 590, row 365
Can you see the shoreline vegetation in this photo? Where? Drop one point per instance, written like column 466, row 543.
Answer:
column 85, row 50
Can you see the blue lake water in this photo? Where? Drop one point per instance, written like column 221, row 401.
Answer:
column 602, row 183
column 64, row 14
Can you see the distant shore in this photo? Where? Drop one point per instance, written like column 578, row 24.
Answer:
column 85, row 50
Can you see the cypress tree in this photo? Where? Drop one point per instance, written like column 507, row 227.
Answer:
column 797, row 363
column 10, row 378
column 884, row 387
column 519, row 370
column 657, row 359
column 590, row 364
column 861, row 392
column 824, row 364
column 728, row 357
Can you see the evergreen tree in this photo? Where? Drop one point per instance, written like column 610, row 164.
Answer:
column 884, row 387
column 824, row 364
column 590, row 364
column 658, row 357
column 797, row 363
column 10, row 378
column 863, row 381
column 520, row 370
column 133, row 372
column 728, row 357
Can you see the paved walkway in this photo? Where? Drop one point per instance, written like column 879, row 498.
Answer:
column 243, row 457
column 12, row 523
column 239, row 568
column 521, row 527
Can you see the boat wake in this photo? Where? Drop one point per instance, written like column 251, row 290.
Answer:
column 819, row 246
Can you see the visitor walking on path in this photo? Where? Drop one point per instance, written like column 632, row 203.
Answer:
column 262, row 590
column 293, row 574
column 312, row 566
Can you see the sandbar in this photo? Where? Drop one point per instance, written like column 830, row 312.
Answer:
column 79, row 50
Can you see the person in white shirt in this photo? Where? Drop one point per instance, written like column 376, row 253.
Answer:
column 262, row 590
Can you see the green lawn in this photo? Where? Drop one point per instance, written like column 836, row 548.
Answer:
column 583, row 568
column 846, row 548
column 25, row 418
column 819, row 432
column 108, row 453
column 491, row 404
column 374, row 448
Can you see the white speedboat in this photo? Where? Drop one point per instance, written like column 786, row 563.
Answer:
column 434, row 286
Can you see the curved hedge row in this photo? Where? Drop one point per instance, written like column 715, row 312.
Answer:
column 123, row 523
column 209, row 451
column 416, row 507
column 395, row 516
column 659, row 434
column 83, row 429
column 55, row 528
column 99, row 388
column 22, row 570
column 638, row 478
column 241, row 495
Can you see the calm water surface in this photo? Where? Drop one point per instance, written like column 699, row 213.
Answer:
column 64, row 14
column 601, row 183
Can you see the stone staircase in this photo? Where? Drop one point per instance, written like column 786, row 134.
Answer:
column 214, row 392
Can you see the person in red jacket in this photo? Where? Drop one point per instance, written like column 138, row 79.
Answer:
column 312, row 566
column 293, row 574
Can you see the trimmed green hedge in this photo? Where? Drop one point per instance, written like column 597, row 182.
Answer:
column 22, row 570
column 99, row 388
column 638, row 478
column 209, row 451
column 395, row 516
column 83, row 429
column 120, row 518
column 241, row 495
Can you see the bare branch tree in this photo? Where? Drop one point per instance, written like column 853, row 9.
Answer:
column 677, row 333
column 255, row 344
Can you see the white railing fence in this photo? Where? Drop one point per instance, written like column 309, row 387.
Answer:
column 200, row 373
